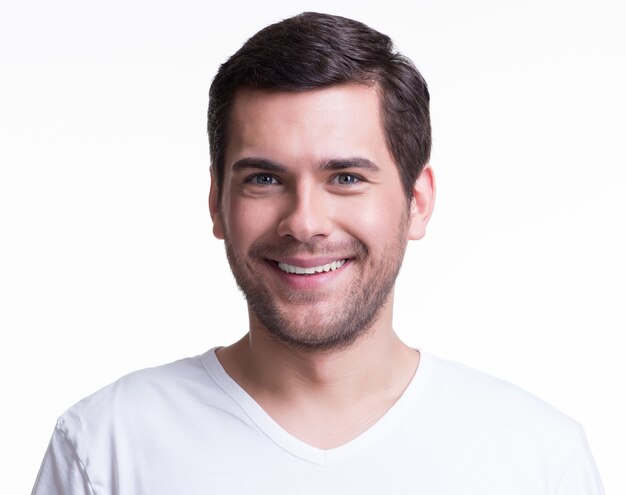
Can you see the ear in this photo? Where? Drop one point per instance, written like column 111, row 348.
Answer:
column 218, row 228
column 422, row 203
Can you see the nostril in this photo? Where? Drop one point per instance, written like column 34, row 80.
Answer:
column 305, row 222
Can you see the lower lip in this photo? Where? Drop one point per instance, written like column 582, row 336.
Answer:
column 309, row 282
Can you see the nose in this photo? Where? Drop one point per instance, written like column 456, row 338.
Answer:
column 306, row 215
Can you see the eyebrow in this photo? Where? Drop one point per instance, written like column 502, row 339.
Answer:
column 327, row 165
column 355, row 162
column 258, row 163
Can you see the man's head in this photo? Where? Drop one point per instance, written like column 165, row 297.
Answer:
column 312, row 51
column 313, row 203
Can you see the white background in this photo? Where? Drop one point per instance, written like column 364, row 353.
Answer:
column 107, row 263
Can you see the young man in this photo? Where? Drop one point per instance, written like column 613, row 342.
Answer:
column 320, row 139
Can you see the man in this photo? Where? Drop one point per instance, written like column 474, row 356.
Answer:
column 320, row 139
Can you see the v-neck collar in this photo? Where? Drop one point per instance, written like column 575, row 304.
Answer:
column 408, row 402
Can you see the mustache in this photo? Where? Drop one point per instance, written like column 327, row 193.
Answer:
column 292, row 248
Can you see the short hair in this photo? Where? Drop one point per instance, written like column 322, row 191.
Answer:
column 313, row 50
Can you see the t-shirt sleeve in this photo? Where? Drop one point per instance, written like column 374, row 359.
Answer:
column 62, row 472
column 581, row 475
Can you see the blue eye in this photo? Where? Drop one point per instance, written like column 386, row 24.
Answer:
column 347, row 179
column 263, row 180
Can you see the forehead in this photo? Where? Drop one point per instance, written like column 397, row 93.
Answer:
column 308, row 126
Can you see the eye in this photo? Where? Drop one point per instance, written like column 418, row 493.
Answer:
column 347, row 179
column 262, row 180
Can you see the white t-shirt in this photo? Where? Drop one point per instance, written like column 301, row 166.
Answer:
column 187, row 428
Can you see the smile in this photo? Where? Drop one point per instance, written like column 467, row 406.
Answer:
column 299, row 270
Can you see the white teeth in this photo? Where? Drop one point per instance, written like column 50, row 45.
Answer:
column 298, row 270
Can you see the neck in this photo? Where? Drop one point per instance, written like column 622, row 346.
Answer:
column 324, row 398
column 377, row 364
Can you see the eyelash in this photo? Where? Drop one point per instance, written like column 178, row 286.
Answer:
column 253, row 179
column 355, row 179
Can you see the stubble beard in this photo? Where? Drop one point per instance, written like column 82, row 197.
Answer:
column 317, row 330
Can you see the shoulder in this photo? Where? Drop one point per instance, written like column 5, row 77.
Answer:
column 134, row 389
column 474, row 416
column 147, row 418
column 487, row 403
column 141, row 400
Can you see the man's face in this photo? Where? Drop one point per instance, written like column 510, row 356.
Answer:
column 313, row 213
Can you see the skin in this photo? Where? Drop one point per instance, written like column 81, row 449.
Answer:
column 309, row 179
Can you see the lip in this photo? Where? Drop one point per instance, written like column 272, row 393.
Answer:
column 312, row 281
column 310, row 262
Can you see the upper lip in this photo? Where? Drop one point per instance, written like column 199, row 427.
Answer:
column 310, row 262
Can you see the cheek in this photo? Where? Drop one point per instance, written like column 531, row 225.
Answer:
column 248, row 221
column 373, row 221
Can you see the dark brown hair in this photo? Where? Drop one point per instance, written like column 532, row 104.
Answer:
column 312, row 51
